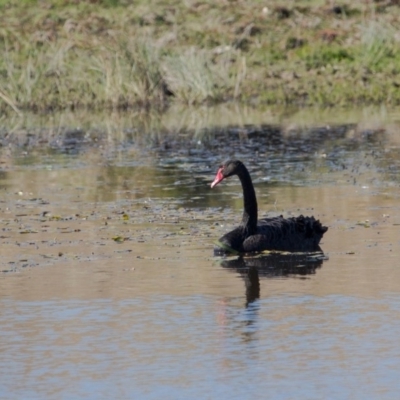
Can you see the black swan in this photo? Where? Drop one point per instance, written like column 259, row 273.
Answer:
column 277, row 233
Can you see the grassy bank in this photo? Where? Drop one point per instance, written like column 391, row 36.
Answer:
column 69, row 54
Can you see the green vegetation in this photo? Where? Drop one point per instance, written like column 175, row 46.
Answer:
column 115, row 54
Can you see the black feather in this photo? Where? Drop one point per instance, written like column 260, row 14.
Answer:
column 277, row 233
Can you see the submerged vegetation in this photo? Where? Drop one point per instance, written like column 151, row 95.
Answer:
column 115, row 54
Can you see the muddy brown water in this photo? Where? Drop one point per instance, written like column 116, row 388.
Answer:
column 109, row 287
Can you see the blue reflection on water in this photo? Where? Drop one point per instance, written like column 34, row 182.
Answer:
column 201, row 347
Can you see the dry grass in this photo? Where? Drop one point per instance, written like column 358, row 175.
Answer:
column 112, row 55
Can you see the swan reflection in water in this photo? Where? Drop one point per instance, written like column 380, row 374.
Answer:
column 273, row 265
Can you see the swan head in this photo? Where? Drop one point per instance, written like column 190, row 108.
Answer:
column 229, row 168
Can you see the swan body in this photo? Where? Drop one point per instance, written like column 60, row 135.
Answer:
column 277, row 233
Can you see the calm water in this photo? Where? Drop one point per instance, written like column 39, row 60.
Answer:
column 109, row 287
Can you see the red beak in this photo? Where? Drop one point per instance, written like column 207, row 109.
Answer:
column 218, row 178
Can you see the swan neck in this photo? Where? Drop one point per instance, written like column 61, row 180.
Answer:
column 249, row 220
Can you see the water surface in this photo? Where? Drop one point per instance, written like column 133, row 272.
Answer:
column 110, row 289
